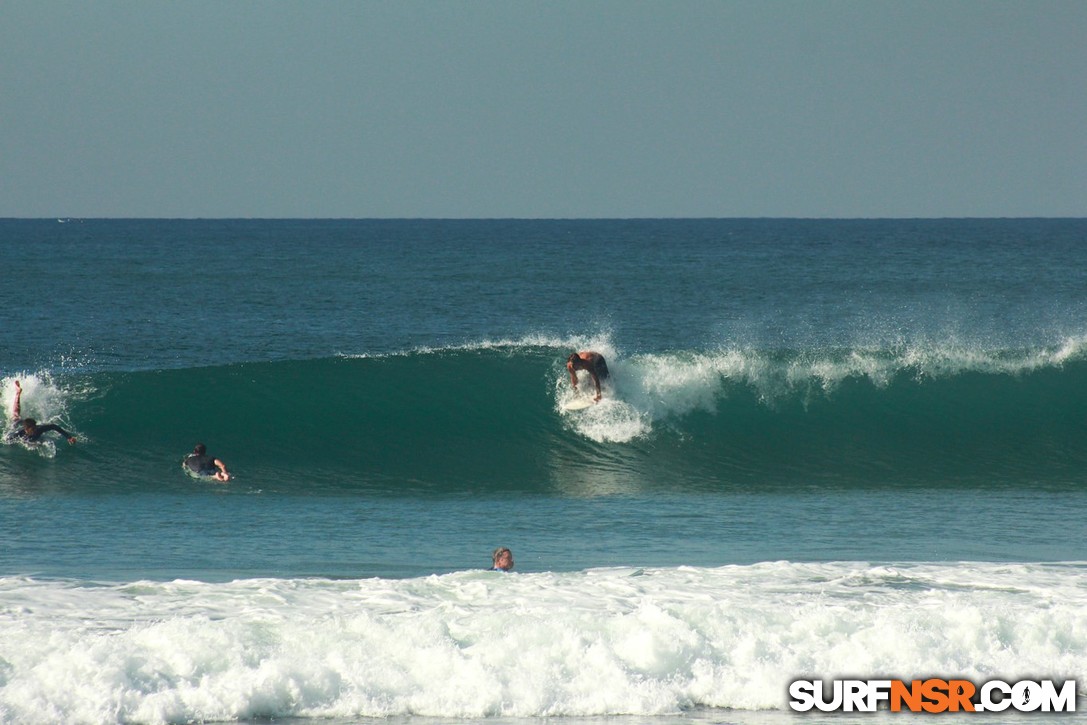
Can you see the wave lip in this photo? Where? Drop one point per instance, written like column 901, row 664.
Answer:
column 660, row 388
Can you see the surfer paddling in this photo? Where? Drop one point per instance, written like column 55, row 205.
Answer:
column 27, row 428
column 201, row 464
column 593, row 362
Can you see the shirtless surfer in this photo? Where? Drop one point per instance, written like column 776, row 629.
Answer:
column 27, row 428
column 591, row 361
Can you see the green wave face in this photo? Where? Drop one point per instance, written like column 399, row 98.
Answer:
column 491, row 419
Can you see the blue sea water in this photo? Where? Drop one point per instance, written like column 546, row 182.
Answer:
column 827, row 447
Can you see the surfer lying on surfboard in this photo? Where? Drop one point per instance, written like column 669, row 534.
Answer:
column 587, row 360
column 200, row 464
column 28, row 428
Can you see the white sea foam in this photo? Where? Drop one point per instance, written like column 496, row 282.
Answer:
column 479, row 644
column 43, row 399
column 647, row 389
column 600, row 342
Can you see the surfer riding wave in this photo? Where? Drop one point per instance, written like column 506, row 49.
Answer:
column 593, row 362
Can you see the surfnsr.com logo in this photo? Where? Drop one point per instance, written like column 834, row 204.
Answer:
column 932, row 695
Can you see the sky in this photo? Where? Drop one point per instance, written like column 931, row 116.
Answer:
column 558, row 109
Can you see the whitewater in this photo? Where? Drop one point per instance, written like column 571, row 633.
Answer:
column 828, row 448
column 482, row 645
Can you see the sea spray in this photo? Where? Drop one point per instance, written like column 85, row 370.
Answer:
column 491, row 416
column 44, row 399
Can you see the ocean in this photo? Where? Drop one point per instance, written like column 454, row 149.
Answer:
column 827, row 449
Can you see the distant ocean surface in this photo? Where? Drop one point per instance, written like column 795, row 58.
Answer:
column 827, row 448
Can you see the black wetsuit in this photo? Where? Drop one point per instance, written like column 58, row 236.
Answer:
column 201, row 465
column 20, row 432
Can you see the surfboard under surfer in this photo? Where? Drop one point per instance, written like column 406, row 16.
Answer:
column 27, row 428
column 201, row 464
column 591, row 361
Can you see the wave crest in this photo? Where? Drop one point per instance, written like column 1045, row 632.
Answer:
column 492, row 415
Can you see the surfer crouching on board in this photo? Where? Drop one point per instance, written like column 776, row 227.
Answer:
column 200, row 463
column 587, row 360
column 28, row 428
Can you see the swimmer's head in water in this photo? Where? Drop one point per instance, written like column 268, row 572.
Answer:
column 503, row 558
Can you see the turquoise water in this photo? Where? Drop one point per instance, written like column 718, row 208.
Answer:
column 876, row 426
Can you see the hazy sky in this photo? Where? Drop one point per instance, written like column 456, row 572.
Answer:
column 543, row 109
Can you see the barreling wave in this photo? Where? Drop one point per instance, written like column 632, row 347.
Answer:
column 490, row 416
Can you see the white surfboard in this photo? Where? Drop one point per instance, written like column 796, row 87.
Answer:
column 194, row 474
column 579, row 403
